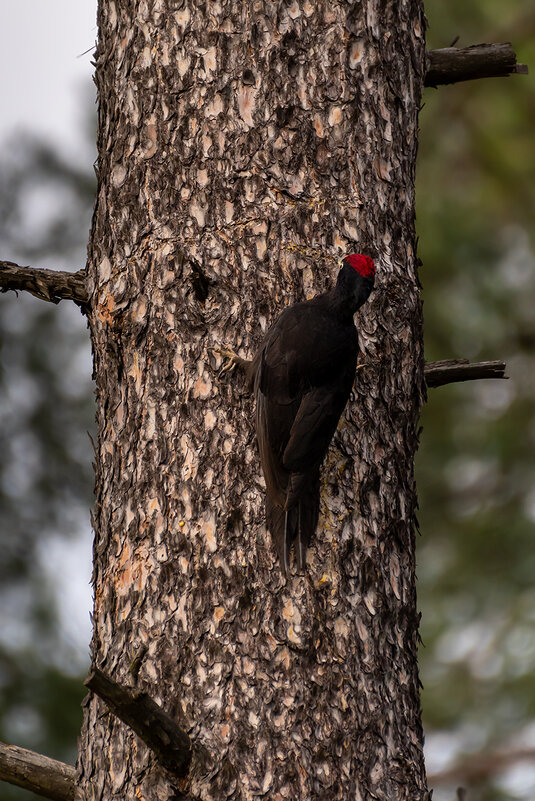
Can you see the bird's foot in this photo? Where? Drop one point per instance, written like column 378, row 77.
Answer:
column 231, row 360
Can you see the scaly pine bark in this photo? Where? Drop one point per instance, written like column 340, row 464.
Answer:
column 243, row 148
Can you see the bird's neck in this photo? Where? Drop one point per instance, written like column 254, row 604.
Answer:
column 339, row 303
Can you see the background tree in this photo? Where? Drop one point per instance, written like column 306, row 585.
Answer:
column 46, row 398
column 475, row 473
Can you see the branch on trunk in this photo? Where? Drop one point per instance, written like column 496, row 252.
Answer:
column 37, row 773
column 169, row 743
column 481, row 767
column 453, row 64
column 447, row 371
column 51, row 285
column 450, row 371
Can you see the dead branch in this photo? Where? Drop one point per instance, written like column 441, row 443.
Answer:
column 449, row 371
column 37, row 773
column 50, row 285
column 169, row 743
column 481, row 766
column 455, row 64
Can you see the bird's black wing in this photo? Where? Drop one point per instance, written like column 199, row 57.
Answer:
column 303, row 381
column 303, row 376
column 275, row 413
column 278, row 389
column 315, row 423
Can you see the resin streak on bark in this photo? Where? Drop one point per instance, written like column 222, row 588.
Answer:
column 235, row 138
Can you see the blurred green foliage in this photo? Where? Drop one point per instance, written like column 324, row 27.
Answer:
column 475, row 468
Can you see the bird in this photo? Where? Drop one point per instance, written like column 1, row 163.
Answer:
column 302, row 375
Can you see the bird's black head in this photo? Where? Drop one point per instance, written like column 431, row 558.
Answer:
column 356, row 279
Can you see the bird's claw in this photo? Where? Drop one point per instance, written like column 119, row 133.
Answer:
column 230, row 359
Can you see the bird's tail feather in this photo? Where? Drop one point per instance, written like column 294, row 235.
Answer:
column 294, row 525
column 301, row 542
column 308, row 513
column 287, row 540
column 282, row 525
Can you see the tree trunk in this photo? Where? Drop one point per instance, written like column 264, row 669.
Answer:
column 244, row 147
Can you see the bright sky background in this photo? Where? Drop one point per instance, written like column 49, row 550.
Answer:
column 46, row 84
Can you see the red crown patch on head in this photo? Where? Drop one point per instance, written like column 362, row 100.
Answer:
column 362, row 264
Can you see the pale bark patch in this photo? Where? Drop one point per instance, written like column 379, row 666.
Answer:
column 209, row 420
column 190, row 463
column 229, row 211
column 105, row 309
column 202, row 387
column 246, row 104
column 185, row 497
column 178, row 362
column 183, row 63
column 382, row 169
column 198, row 213
column 150, row 420
column 208, row 528
column 181, row 614
column 210, row 60
column 318, row 125
column 215, row 107
column 394, row 576
column 111, row 12
column 209, row 478
column 369, row 600
column 294, row 11
column 104, row 270
column 118, row 175
column 149, row 143
column 145, row 59
column 132, row 569
column 207, row 143
column 202, row 177
column 356, row 53
column 341, row 628
column 261, row 247
column 183, row 17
